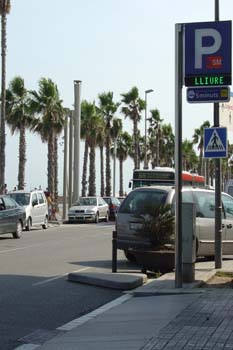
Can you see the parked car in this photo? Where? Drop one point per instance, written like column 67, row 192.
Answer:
column 12, row 217
column 89, row 209
column 127, row 222
column 35, row 205
column 114, row 205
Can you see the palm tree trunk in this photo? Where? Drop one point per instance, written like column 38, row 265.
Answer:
column 84, row 176
column 157, row 150
column 200, row 170
column 121, row 191
column 55, row 164
column 92, row 174
column 108, row 189
column 135, row 134
column 22, row 157
column 51, row 165
column 3, row 103
column 101, row 171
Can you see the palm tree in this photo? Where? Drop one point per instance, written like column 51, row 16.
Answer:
column 91, row 126
column 167, row 148
column 107, row 108
column 5, row 7
column 133, row 106
column 47, row 106
column 141, row 147
column 189, row 156
column 86, row 111
column 155, row 132
column 18, row 118
column 124, row 144
column 115, row 132
column 198, row 138
column 100, row 143
column 96, row 127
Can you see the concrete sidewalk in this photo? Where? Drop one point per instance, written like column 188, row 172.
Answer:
column 154, row 316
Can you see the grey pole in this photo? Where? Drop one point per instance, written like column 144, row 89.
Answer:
column 218, row 200
column 178, row 150
column 71, row 147
column 77, row 118
column 145, row 156
column 65, row 168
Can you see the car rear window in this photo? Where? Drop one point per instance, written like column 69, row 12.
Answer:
column 21, row 198
column 137, row 201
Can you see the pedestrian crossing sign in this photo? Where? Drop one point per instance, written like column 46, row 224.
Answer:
column 215, row 142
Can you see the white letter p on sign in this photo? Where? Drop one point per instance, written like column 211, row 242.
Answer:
column 205, row 50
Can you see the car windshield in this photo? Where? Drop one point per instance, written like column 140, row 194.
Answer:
column 21, row 198
column 138, row 201
column 87, row 201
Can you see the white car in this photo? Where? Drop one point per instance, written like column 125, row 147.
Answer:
column 36, row 207
column 89, row 209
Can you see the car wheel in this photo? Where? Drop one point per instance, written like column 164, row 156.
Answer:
column 29, row 224
column 129, row 256
column 19, row 230
column 45, row 224
column 106, row 217
column 97, row 218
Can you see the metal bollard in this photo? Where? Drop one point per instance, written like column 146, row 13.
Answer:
column 114, row 251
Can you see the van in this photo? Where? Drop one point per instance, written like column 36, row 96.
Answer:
column 36, row 207
column 128, row 223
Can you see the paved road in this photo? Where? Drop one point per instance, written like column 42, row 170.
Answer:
column 34, row 292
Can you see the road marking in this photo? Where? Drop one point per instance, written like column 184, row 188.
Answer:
column 57, row 277
column 21, row 248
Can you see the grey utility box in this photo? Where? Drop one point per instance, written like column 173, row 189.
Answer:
column 188, row 241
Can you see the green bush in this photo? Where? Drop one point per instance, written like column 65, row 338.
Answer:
column 158, row 225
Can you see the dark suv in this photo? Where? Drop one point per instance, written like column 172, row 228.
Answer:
column 114, row 205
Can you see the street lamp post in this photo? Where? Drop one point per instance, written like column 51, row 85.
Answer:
column 77, row 122
column 145, row 157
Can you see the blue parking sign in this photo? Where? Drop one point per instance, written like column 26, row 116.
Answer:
column 208, row 54
column 215, row 142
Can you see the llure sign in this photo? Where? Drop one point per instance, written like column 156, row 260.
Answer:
column 208, row 54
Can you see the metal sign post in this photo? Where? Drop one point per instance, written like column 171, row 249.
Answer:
column 218, row 198
column 178, row 149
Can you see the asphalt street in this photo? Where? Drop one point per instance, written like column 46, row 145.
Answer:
column 35, row 295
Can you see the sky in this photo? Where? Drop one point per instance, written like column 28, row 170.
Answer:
column 110, row 45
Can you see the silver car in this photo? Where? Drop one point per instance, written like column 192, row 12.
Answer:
column 35, row 205
column 89, row 209
column 127, row 222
